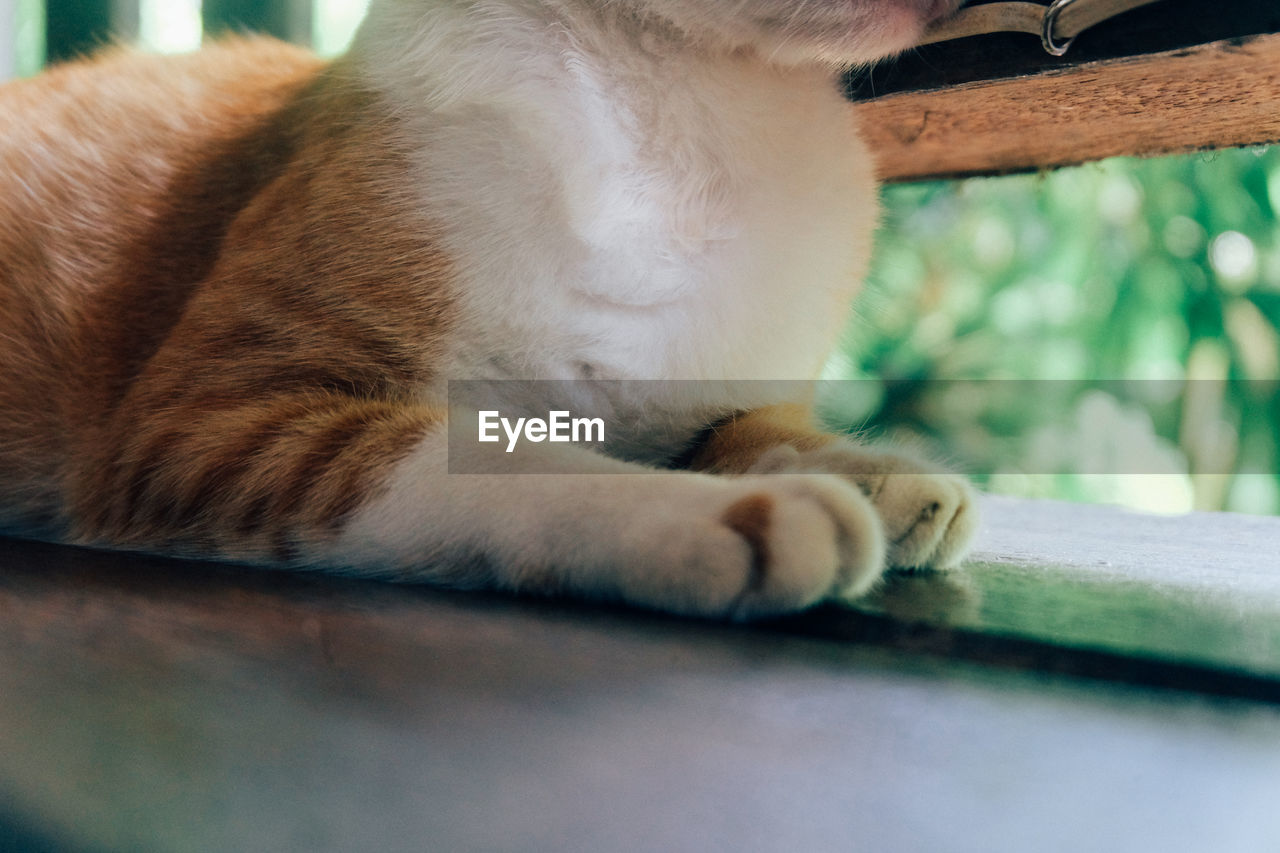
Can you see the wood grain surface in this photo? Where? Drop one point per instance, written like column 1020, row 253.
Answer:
column 1220, row 95
column 161, row 705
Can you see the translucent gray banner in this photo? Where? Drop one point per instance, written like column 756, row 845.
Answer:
column 984, row 428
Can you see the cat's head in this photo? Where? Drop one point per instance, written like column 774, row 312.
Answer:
column 786, row 32
column 842, row 32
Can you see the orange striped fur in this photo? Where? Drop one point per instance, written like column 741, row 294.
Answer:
column 219, row 348
column 234, row 284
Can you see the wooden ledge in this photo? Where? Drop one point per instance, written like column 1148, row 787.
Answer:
column 1220, row 95
column 151, row 704
column 1184, row 602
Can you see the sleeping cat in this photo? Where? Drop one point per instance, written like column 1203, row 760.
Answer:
column 235, row 286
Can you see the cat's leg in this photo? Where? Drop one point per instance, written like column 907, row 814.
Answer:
column 610, row 530
column 352, row 485
column 929, row 515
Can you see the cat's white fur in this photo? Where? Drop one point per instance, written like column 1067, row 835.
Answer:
column 616, row 197
column 636, row 189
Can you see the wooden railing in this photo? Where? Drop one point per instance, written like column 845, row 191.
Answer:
column 1167, row 78
column 1172, row 77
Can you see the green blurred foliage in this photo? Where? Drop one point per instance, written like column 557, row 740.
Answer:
column 334, row 22
column 1164, row 269
column 28, row 37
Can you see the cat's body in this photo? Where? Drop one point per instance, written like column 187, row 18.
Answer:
column 235, row 285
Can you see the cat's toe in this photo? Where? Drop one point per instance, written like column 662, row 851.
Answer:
column 929, row 516
column 929, row 519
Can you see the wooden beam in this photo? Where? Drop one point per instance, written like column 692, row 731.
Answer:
column 1220, row 95
column 1156, row 28
column 157, row 704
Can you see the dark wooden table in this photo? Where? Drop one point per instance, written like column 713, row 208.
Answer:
column 1094, row 681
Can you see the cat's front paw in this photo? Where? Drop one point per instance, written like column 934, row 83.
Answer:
column 761, row 546
column 810, row 538
column 929, row 516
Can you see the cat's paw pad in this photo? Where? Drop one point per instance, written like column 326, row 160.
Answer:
column 929, row 516
column 806, row 538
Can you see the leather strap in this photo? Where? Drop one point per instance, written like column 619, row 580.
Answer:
column 1057, row 24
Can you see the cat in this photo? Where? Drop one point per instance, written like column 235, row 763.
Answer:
column 235, row 286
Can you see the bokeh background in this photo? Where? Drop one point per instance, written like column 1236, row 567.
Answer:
column 1102, row 333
